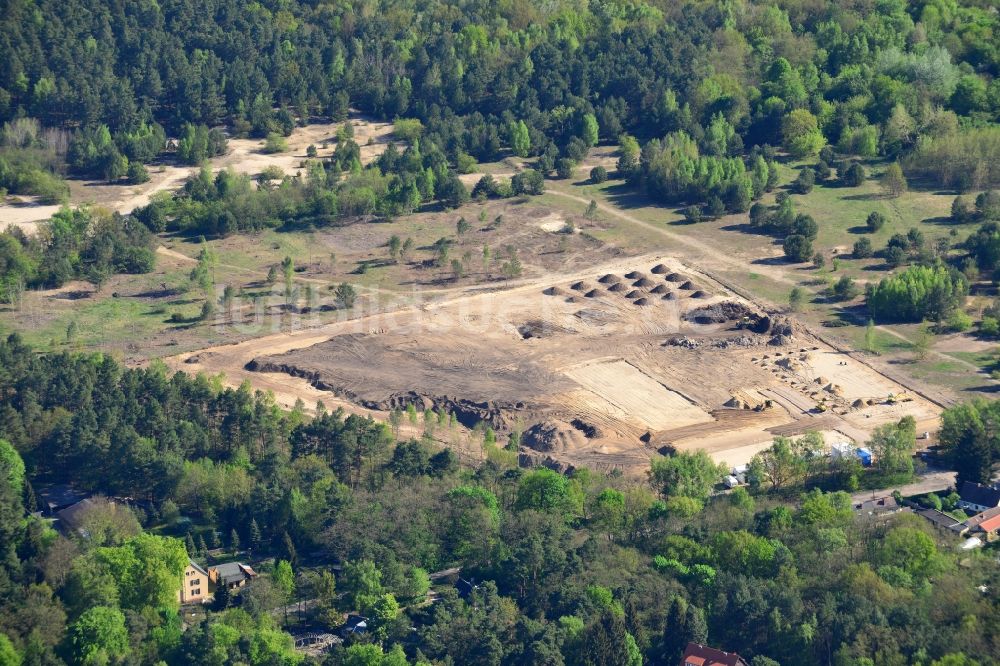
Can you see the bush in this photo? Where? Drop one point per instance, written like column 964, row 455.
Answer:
column 693, row 214
column 805, row 181
column 862, row 248
column 875, row 222
column 715, row 207
column 989, row 327
column 275, row 143
column 844, row 289
column 853, row 176
column 137, row 173
column 528, row 181
column 564, row 168
column 958, row 322
column 598, row 174
column 798, row 248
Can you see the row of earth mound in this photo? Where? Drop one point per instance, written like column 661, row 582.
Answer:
column 640, row 288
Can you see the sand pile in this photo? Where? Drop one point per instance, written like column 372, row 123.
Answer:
column 659, row 269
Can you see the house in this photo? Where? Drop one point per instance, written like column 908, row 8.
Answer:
column 877, row 506
column 231, row 574
column 977, row 497
column 200, row 583
column 943, row 521
column 356, row 624
column 986, row 524
column 696, row 654
column 71, row 518
column 196, row 586
column 53, row 499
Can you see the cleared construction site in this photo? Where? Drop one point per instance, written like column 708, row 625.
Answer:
column 603, row 369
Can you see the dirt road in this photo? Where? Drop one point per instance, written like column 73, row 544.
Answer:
column 932, row 482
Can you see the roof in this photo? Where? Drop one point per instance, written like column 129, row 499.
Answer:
column 71, row 514
column 233, row 572
column 975, row 493
column 942, row 520
column 877, row 505
column 990, row 524
column 60, row 496
column 980, row 518
column 197, row 567
column 702, row 655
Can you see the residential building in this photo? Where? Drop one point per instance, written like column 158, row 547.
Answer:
column 943, row 521
column 196, row 587
column 200, row 583
column 696, row 654
column 231, row 574
column 977, row 497
column 985, row 524
column 877, row 506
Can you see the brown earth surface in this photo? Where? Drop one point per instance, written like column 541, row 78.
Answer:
column 598, row 381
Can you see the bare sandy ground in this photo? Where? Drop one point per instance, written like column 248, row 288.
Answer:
column 243, row 155
column 576, row 361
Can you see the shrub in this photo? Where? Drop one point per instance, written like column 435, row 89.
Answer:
column 989, row 326
column 805, row 181
column 862, row 248
column 598, row 174
column 275, row 143
column 137, row 173
column 875, row 221
column 844, row 289
column 958, row 322
column 564, row 168
column 853, row 176
column 797, row 248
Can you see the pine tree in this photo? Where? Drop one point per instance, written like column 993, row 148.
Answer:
column 223, row 598
column 234, row 541
column 255, row 536
column 606, row 642
column 674, row 630
column 189, row 544
column 202, row 548
column 289, row 547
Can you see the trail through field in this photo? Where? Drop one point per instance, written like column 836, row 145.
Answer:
column 713, row 254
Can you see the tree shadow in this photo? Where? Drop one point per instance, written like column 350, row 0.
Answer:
column 858, row 229
column 870, row 196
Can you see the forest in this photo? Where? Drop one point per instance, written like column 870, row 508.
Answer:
column 705, row 102
column 577, row 569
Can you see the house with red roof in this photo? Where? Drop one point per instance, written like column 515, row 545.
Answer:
column 696, row 654
column 986, row 524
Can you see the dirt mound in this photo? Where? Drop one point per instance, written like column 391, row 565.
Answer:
column 538, row 328
column 670, row 296
column 634, row 275
column 580, row 286
column 589, row 430
column 609, row 278
column 553, row 291
column 674, row 277
column 617, row 286
column 659, row 289
column 635, row 293
column 688, row 285
column 700, row 294
column 572, row 299
column 645, row 283
column 719, row 313
column 641, row 302
column 659, row 269
column 593, row 293
column 553, row 435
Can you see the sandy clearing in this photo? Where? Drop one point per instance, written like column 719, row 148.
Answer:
column 243, row 156
column 637, row 395
column 856, row 381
